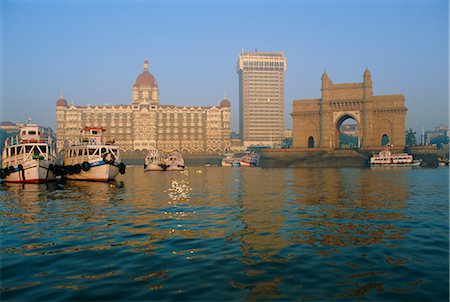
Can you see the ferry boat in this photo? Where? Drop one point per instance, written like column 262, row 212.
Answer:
column 30, row 156
column 155, row 161
column 93, row 156
column 250, row 160
column 386, row 159
column 174, row 162
column 230, row 160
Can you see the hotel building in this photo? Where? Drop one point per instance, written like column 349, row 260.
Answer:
column 146, row 124
column 261, row 97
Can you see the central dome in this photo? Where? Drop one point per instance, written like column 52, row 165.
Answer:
column 145, row 79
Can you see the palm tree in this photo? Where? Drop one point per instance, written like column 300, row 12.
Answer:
column 411, row 137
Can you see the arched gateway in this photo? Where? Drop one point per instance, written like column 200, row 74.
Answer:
column 377, row 117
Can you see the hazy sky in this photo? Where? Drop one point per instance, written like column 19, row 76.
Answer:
column 93, row 51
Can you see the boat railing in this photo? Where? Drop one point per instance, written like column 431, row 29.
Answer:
column 28, row 139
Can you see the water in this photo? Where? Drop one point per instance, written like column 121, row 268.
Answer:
column 216, row 233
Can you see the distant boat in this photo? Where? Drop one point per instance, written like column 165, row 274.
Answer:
column 163, row 161
column 386, row 159
column 93, row 156
column 29, row 157
column 155, row 161
column 229, row 160
column 174, row 162
column 250, row 160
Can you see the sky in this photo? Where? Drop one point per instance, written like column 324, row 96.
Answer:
column 92, row 51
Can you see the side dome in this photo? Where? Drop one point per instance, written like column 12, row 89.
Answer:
column 61, row 102
column 225, row 103
column 145, row 79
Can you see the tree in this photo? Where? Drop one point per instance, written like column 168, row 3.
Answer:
column 286, row 143
column 411, row 137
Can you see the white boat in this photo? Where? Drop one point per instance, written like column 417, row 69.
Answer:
column 250, row 160
column 386, row 159
column 230, row 160
column 174, row 162
column 155, row 161
column 93, row 156
column 30, row 156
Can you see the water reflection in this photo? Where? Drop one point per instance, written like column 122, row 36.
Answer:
column 206, row 233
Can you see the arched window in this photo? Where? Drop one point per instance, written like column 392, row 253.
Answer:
column 385, row 140
column 311, row 142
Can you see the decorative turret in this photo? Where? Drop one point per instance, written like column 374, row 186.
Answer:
column 367, row 83
column 61, row 102
column 145, row 87
column 325, row 80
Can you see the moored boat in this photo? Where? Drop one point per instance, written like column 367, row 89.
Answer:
column 250, row 160
column 30, row 156
column 387, row 159
column 174, row 162
column 93, row 156
column 229, row 160
column 155, row 160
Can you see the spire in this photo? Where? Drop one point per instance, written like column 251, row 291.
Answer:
column 146, row 65
column 366, row 72
column 324, row 75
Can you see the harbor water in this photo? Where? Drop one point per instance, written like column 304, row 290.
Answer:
column 234, row 234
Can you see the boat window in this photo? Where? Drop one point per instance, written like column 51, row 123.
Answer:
column 13, row 151
column 28, row 149
column 91, row 151
column 43, row 148
column 32, row 132
column 80, row 152
column 103, row 151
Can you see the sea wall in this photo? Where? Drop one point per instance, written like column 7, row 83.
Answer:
column 316, row 157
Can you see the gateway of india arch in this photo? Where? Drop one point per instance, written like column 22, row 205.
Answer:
column 379, row 118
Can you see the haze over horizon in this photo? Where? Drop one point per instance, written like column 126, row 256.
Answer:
column 92, row 52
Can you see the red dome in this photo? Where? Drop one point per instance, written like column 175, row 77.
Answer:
column 61, row 102
column 225, row 103
column 145, row 79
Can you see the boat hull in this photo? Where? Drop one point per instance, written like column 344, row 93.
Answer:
column 413, row 164
column 174, row 168
column 36, row 171
column 100, row 172
column 153, row 167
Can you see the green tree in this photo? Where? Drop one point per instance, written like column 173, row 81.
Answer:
column 286, row 143
column 411, row 137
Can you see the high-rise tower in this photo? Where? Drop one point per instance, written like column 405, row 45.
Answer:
column 261, row 97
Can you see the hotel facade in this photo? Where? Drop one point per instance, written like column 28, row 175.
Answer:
column 261, row 97
column 146, row 124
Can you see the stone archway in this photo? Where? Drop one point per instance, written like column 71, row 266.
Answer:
column 338, row 131
column 375, row 115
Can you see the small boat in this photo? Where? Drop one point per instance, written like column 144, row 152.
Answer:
column 250, row 160
column 230, row 160
column 386, row 159
column 30, row 156
column 155, row 161
column 174, row 162
column 92, row 157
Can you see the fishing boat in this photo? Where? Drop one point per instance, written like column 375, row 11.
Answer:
column 250, row 159
column 229, row 160
column 387, row 159
column 174, row 161
column 92, row 156
column 30, row 156
column 155, row 160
